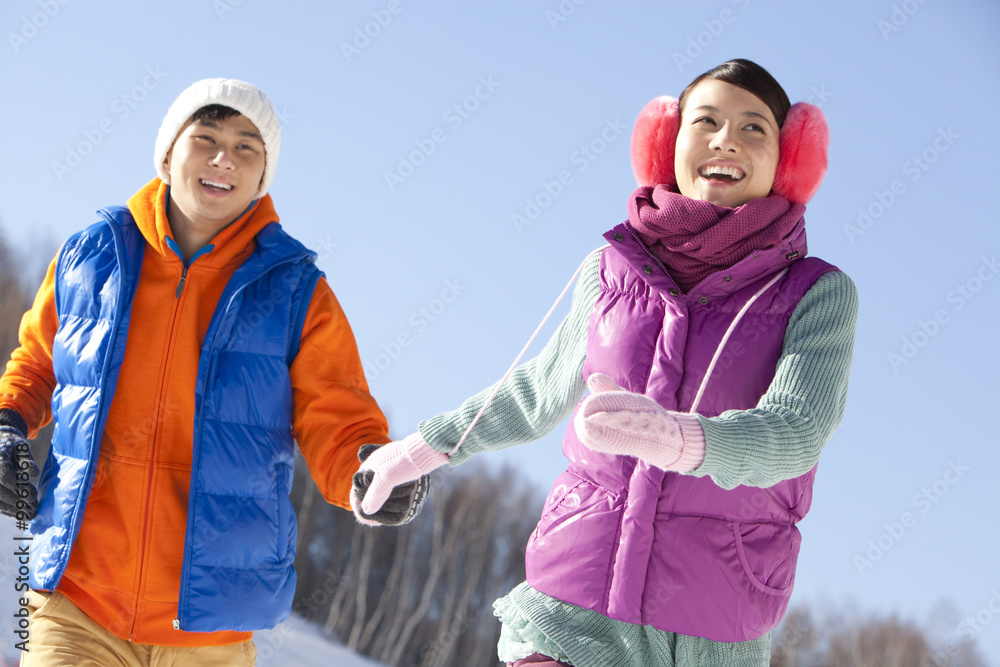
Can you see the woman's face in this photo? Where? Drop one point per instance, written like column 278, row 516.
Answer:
column 727, row 145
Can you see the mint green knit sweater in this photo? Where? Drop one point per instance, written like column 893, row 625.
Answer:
column 779, row 439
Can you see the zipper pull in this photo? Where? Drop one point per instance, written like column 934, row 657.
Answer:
column 177, row 624
column 180, row 285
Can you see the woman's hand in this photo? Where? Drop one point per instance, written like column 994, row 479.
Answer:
column 615, row 421
column 392, row 483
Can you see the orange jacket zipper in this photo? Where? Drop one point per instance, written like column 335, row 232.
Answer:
column 164, row 371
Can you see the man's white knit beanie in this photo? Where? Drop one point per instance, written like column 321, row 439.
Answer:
column 232, row 93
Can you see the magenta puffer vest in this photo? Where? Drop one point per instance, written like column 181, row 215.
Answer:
column 678, row 552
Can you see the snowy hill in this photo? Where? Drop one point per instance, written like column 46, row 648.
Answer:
column 294, row 643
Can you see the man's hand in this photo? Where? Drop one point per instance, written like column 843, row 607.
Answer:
column 392, row 483
column 18, row 471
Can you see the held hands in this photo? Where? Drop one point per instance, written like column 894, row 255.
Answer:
column 392, row 483
column 615, row 421
column 18, row 471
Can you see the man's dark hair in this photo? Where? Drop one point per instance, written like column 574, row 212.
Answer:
column 214, row 112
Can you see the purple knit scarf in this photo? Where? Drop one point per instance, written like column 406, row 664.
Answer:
column 695, row 238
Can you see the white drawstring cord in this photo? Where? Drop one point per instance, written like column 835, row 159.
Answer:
column 725, row 339
column 704, row 382
column 525, row 349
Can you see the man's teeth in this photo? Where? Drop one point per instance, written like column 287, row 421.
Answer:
column 732, row 173
column 221, row 186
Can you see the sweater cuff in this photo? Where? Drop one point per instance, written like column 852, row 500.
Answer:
column 693, row 437
column 725, row 460
column 442, row 437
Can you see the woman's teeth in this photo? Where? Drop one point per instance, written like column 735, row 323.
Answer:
column 721, row 173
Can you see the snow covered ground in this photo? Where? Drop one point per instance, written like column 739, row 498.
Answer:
column 294, row 643
column 297, row 643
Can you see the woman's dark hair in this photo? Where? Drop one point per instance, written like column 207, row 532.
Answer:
column 214, row 112
column 751, row 77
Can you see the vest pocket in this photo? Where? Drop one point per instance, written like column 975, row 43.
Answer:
column 286, row 521
column 561, row 489
column 767, row 553
column 569, row 555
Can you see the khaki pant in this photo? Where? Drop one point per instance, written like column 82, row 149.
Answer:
column 60, row 635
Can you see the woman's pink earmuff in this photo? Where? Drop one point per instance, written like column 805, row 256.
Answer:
column 802, row 148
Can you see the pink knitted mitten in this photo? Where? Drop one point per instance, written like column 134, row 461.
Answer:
column 616, row 421
column 390, row 486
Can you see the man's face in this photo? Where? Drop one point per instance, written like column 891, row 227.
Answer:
column 215, row 169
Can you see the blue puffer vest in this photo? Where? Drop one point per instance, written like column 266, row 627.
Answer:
column 240, row 543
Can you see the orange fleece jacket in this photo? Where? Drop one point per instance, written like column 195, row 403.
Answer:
column 125, row 566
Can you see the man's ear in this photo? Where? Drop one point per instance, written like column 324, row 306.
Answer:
column 166, row 165
column 262, row 173
column 170, row 152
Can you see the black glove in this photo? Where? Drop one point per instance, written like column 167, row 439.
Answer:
column 18, row 471
column 403, row 504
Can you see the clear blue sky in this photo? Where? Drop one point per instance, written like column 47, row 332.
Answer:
column 475, row 109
